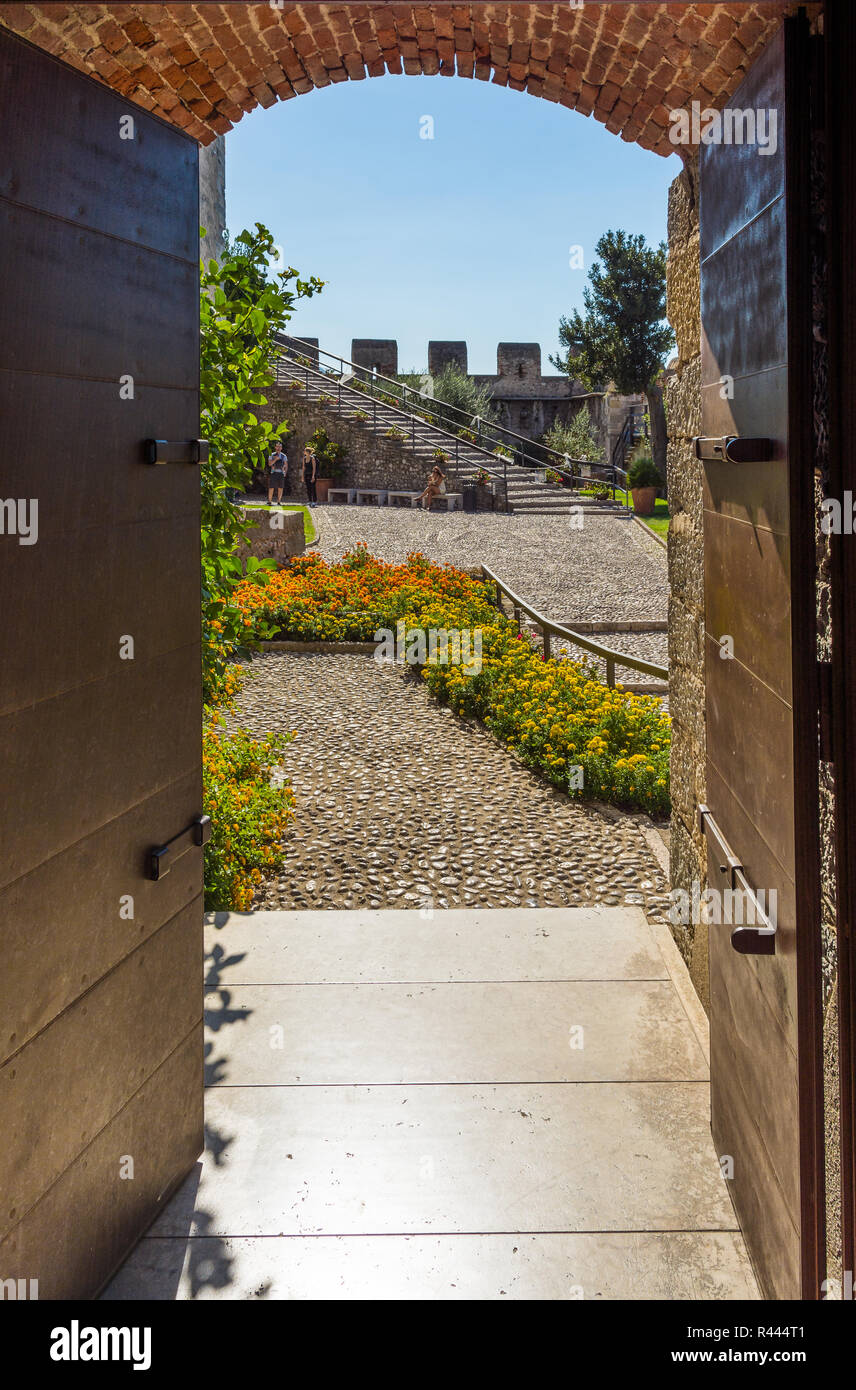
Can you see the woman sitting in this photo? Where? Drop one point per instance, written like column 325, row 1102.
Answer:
column 436, row 487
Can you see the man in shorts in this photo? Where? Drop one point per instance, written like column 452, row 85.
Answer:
column 277, row 469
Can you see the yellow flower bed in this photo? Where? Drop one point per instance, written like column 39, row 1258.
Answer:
column 563, row 722
column 249, row 814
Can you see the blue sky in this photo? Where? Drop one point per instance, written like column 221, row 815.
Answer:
column 463, row 236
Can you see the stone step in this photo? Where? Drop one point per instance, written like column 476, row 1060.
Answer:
column 527, row 493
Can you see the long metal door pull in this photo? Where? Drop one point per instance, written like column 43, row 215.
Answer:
column 758, row 939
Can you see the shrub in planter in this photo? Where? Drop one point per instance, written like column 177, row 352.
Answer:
column 330, row 456
column 482, row 478
column 394, row 433
column 601, row 491
column 440, row 456
column 643, row 480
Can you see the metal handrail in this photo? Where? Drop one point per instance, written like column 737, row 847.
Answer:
column 493, row 433
column 550, row 629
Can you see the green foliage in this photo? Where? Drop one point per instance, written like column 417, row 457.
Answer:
column 453, row 387
column 623, row 336
column 577, row 438
column 241, row 308
column 329, row 454
column 643, row 472
column 248, row 811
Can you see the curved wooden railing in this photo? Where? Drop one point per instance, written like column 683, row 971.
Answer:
column 550, row 629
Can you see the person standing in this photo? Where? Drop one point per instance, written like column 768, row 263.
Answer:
column 310, row 472
column 277, row 469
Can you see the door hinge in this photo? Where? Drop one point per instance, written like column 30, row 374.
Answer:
column 732, row 448
column 175, row 450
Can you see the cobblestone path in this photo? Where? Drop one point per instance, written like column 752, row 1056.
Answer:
column 608, row 570
column 402, row 804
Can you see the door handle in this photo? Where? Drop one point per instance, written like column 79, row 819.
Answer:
column 751, row 939
column 175, row 451
column 731, row 448
column 161, row 858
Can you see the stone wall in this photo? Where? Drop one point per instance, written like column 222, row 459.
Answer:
column 686, row 563
column 371, row 461
column 274, row 535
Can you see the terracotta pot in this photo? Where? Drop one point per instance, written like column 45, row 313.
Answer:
column 321, row 487
column 643, row 500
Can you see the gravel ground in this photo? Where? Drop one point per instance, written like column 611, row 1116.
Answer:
column 650, row 646
column 402, row 804
column 606, row 571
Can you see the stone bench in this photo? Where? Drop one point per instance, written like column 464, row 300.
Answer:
column 401, row 497
column 454, row 501
column 346, row 493
column 378, row 493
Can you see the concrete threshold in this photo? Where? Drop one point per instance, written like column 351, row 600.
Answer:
column 459, row 1104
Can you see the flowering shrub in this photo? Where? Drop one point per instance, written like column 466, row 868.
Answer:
column 563, row 722
column 248, row 812
column 555, row 714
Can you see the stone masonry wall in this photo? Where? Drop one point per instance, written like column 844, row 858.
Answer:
column 686, row 563
column 371, row 461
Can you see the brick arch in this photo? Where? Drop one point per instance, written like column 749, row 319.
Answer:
column 201, row 66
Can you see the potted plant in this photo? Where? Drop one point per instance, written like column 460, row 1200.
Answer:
column 440, row 457
column 643, row 480
column 330, row 456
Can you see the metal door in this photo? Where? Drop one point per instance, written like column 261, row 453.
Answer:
column 100, row 999
column 761, row 820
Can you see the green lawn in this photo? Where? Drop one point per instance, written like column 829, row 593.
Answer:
column 659, row 522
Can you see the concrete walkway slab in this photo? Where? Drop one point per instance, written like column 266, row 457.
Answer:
column 682, row 1265
column 399, row 1107
column 459, row 1158
column 334, row 947
column 399, row 1034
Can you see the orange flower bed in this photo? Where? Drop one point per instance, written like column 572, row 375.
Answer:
column 348, row 601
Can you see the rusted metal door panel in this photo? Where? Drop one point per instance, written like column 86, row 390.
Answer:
column 100, row 1052
column 761, row 710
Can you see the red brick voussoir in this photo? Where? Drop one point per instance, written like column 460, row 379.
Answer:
column 201, row 66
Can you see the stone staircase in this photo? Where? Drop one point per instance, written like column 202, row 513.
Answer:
column 527, row 490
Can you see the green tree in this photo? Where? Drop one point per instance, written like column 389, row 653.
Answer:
column 454, row 388
column 577, row 438
column 623, row 337
column 241, row 309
